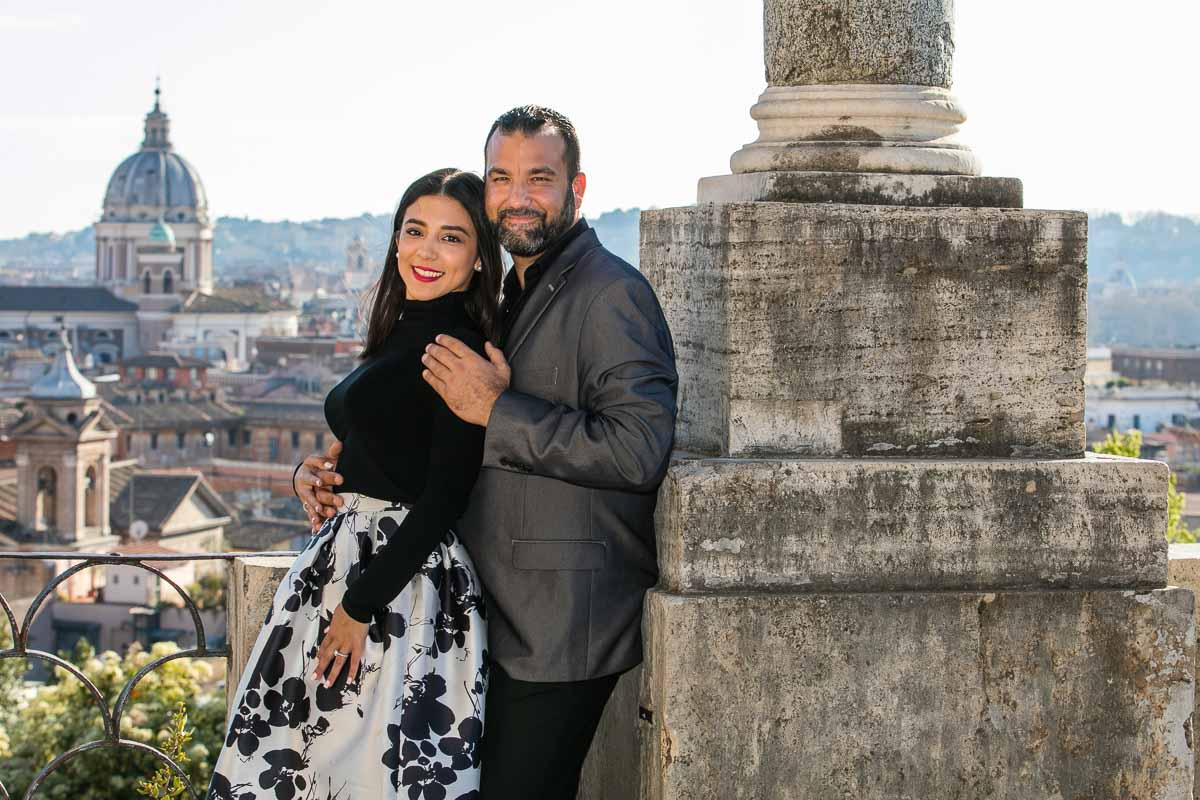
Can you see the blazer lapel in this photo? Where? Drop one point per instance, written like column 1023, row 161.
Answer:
column 549, row 287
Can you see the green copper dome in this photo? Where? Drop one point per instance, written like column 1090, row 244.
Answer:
column 161, row 233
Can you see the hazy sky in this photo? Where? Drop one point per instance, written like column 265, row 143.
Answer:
column 300, row 110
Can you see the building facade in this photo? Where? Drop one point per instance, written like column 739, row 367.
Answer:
column 1169, row 365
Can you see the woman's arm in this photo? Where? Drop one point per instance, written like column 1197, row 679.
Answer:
column 456, row 449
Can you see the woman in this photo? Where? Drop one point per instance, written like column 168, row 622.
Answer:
column 368, row 677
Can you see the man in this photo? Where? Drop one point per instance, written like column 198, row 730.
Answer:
column 579, row 406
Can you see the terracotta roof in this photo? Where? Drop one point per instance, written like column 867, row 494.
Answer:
column 1154, row 352
column 309, row 411
column 258, row 533
column 176, row 414
column 232, row 300
column 156, row 495
column 164, row 360
column 61, row 298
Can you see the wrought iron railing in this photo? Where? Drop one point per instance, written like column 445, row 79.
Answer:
column 111, row 719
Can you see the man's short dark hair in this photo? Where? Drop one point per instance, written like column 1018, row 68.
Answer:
column 530, row 120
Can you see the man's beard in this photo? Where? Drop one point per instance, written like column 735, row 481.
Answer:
column 533, row 239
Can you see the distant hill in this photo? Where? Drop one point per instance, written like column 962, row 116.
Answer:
column 1153, row 250
column 239, row 242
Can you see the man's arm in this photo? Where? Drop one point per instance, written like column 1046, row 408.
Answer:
column 622, row 438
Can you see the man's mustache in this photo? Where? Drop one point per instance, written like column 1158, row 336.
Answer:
column 520, row 212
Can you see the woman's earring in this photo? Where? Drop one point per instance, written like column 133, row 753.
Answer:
column 479, row 267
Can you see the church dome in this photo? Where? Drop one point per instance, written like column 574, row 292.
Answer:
column 155, row 181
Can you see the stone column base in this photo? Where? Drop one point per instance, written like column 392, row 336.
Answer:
column 252, row 584
column 857, row 127
column 863, row 188
column 920, row 695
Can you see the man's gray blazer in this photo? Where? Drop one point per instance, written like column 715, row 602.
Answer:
column 560, row 523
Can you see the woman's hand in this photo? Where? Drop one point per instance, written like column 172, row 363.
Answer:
column 314, row 484
column 342, row 646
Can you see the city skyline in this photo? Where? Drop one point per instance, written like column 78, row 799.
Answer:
column 296, row 114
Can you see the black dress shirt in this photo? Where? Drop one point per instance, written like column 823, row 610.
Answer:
column 516, row 296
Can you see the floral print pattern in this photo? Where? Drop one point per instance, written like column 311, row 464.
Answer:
column 408, row 725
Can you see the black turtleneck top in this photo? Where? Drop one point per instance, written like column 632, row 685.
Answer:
column 401, row 443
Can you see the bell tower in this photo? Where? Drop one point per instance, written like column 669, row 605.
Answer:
column 64, row 445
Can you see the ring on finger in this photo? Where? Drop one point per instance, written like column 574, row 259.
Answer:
column 339, row 654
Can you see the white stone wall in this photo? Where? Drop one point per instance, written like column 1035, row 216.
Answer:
column 1146, row 410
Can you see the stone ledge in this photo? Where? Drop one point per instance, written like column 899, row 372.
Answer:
column 253, row 581
column 819, row 525
column 863, row 188
column 918, row 695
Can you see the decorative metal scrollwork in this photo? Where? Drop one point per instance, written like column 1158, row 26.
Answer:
column 111, row 719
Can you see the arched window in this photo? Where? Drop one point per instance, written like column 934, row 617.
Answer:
column 168, row 282
column 145, row 283
column 46, row 510
column 91, row 509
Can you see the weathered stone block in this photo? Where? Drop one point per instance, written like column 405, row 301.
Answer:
column 883, row 524
column 919, row 695
column 872, row 330
column 864, row 188
column 1184, row 572
column 252, row 584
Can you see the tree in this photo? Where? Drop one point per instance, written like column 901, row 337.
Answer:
column 62, row 713
column 1130, row 444
column 209, row 591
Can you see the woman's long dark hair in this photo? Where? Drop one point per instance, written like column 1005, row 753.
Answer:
column 483, row 292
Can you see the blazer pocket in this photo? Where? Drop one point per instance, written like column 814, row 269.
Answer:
column 557, row 554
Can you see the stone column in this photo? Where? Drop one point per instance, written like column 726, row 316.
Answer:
column 252, row 584
column 858, row 106
column 888, row 568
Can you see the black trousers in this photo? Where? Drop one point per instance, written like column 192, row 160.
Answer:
column 536, row 735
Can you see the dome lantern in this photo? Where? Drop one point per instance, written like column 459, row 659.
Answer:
column 162, row 234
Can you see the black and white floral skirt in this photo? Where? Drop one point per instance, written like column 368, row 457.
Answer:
column 408, row 725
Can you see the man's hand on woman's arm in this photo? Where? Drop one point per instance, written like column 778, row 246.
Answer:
column 315, row 483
